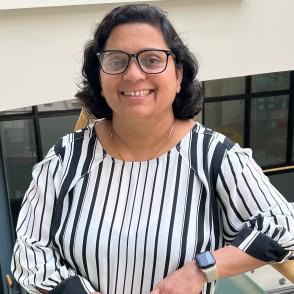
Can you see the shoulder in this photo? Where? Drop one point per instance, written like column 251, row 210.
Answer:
column 212, row 148
column 72, row 155
column 72, row 146
column 73, row 141
column 213, row 140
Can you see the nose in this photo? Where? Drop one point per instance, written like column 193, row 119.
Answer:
column 133, row 72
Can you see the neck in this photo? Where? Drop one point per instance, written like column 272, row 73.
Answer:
column 140, row 140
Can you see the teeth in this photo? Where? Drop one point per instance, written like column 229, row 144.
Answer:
column 137, row 93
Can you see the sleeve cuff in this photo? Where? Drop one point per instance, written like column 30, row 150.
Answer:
column 259, row 245
column 73, row 285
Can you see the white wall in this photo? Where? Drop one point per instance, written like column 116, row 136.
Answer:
column 17, row 4
column 41, row 48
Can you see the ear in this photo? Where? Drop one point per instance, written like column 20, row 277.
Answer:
column 179, row 76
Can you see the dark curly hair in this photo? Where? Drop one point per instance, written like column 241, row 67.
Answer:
column 187, row 103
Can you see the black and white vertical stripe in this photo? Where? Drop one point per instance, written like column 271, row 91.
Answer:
column 90, row 222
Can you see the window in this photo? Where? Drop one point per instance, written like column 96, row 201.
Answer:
column 271, row 82
column 269, row 124
column 53, row 128
column 26, row 134
column 19, row 154
column 224, row 87
column 254, row 112
column 226, row 117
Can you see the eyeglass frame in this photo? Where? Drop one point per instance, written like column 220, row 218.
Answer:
column 135, row 55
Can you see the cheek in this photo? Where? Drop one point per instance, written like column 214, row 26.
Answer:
column 168, row 84
column 108, row 85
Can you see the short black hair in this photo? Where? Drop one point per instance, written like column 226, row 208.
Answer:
column 187, row 103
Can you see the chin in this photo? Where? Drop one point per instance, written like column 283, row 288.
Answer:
column 138, row 114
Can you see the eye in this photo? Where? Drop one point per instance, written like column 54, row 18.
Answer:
column 152, row 59
column 113, row 61
column 116, row 63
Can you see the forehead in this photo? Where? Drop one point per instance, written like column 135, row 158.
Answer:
column 133, row 37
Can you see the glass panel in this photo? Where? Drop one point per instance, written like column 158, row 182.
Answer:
column 293, row 139
column 53, row 128
column 284, row 183
column 226, row 117
column 271, row 82
column 240, row 284
column 62, row 105
column 268, row 136
column 270, row 280
column 224, row 87
column 19, row 154
column 17, row 111
column 293, row 146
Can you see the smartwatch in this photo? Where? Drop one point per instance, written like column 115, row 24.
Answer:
column 206, row 262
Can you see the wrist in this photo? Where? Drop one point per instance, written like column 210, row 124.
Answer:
column 206, row 263
column 195, row 273
column 199, row 273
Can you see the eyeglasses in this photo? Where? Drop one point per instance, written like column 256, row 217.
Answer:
column 150, row 61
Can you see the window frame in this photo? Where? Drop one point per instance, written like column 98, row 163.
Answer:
column 288, row 165
column 35, row 115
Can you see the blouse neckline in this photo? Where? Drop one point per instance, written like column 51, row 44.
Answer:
column 149, row 161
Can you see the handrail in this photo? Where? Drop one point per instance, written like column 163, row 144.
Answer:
column 276, row 169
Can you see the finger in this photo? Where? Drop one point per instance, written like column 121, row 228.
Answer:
column 155, row 291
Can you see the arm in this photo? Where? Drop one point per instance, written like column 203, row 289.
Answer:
column 36, row 264
column 230, row 261
column 256, row 217
column 258, row 225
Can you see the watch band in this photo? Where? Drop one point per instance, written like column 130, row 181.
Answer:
column 207, row 264
column 211, row 273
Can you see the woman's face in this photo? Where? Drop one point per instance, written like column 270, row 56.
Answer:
column 135, row 94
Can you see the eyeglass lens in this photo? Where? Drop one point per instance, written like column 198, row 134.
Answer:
column 150, row 61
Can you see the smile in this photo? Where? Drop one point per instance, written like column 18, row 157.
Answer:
column 137, row 93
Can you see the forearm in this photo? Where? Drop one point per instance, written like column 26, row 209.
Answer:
column 231, row 261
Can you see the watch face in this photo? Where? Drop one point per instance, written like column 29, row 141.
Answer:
column 205, row 260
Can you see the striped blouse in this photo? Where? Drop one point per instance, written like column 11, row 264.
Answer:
column 90, row 222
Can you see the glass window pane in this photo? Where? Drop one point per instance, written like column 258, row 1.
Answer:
column 226, row 117
column 284, row 183
column 53, row 128
column 271, row 82
column 19, row 153
column 224, row 87
column 17, row 111
column 268, row 133
column 61, row 105
column 293, row 140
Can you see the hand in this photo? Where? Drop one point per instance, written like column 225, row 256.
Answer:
column 189, row 280
column 95, row 293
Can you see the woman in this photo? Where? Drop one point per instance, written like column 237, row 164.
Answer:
column 145, row 200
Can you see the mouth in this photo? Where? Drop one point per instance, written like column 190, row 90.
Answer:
column 140, row 93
